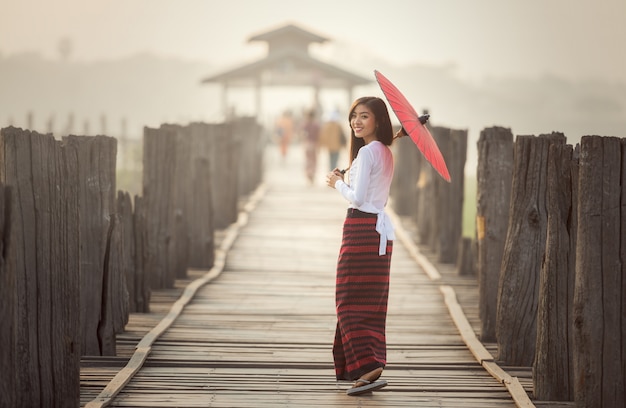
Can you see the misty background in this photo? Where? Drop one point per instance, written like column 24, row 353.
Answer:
column 113, row 67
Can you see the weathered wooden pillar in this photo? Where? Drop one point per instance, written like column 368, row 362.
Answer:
column 424, row 217
column 466, row 259
column 8, row 299
column 225, row 162
column 142, row 279
column 202, row 230
column 200, row 201
column 114, row 304
column 249, row 133
column 524, row 249
column 438, row 193
column 552, row 370
column 600, row 284
column 127, row 248
column 96, row 161
column 40, row 272
column 181, row 195
column 179, row 205
column 406, row 173
column 493, row 194
column 158, row 189
column 450, row 195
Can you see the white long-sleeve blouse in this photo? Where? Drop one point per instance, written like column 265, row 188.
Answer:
column 370, row 180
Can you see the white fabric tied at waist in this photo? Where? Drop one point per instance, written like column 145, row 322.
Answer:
column 384, row 227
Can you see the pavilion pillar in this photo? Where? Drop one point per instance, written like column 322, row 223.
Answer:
column 350, row 94
column 224, row 100
column 316, row 99
column 257, row 98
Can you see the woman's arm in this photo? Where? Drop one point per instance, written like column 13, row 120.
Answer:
column 356, row 192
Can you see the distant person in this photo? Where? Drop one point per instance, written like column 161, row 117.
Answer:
column 284, row 131
column 310, row 138
column 363, row 266
column 333, row 138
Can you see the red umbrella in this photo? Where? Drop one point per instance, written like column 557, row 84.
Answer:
column 413, row 125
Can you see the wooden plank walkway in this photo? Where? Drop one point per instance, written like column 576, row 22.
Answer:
column 260, row 334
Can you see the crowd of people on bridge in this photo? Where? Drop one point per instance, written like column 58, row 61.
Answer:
column 316, row 135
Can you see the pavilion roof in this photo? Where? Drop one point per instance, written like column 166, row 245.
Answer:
column 289, row 63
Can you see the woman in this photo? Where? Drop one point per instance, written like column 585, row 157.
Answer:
column 362, row 285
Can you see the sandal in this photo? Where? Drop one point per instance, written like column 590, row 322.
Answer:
column 367, row 387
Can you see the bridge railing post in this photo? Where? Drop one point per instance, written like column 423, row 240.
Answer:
column 493, row 194
column 404, row 190
column 437, row 206
column 40, row 270
column 599, row 305
column 453, row 146
column 552, row 371
column 523, row 251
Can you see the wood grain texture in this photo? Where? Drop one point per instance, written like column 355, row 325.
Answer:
column 493, row 176
column 524, row 250
column 40, row 270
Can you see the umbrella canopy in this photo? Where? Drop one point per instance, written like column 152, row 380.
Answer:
column 413, row 125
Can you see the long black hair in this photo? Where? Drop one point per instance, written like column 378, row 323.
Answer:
column 384, row 130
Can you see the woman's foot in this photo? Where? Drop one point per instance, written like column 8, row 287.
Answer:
column 368, row 377
column 367, row 383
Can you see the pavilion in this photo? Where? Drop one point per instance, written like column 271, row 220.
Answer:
column 288, row 63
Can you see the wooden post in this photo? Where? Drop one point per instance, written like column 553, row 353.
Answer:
column 450, row 195
column 142, row 281
column 158, row 182
column 107, row 324
column 425, row 204
column 600, row 284
column 181, row 195
column 96, row 198
column 225, row 164
column 406, row 174
column 552, row 370
column 494, row 174
column 128, row 250
column 199, row 201
column 248, row 132
column 42, row 269
column 466, row 260
column 8, row 300
column 524, row 248
column 119, row 263
column 438, row 186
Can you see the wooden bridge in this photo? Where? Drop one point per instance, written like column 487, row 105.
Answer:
column 256, row 330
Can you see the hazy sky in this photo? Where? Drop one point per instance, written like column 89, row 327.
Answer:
column 572, row 38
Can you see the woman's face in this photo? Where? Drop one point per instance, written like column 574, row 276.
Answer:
column 363, row 123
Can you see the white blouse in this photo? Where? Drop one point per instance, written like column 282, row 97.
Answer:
column 370, row 179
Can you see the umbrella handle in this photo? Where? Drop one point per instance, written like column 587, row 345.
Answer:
column 400, row 133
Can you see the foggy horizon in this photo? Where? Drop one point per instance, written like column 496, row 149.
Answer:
column 573, row 39
column 532, row 66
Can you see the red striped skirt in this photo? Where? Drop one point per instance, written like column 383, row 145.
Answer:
column 361, row 293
